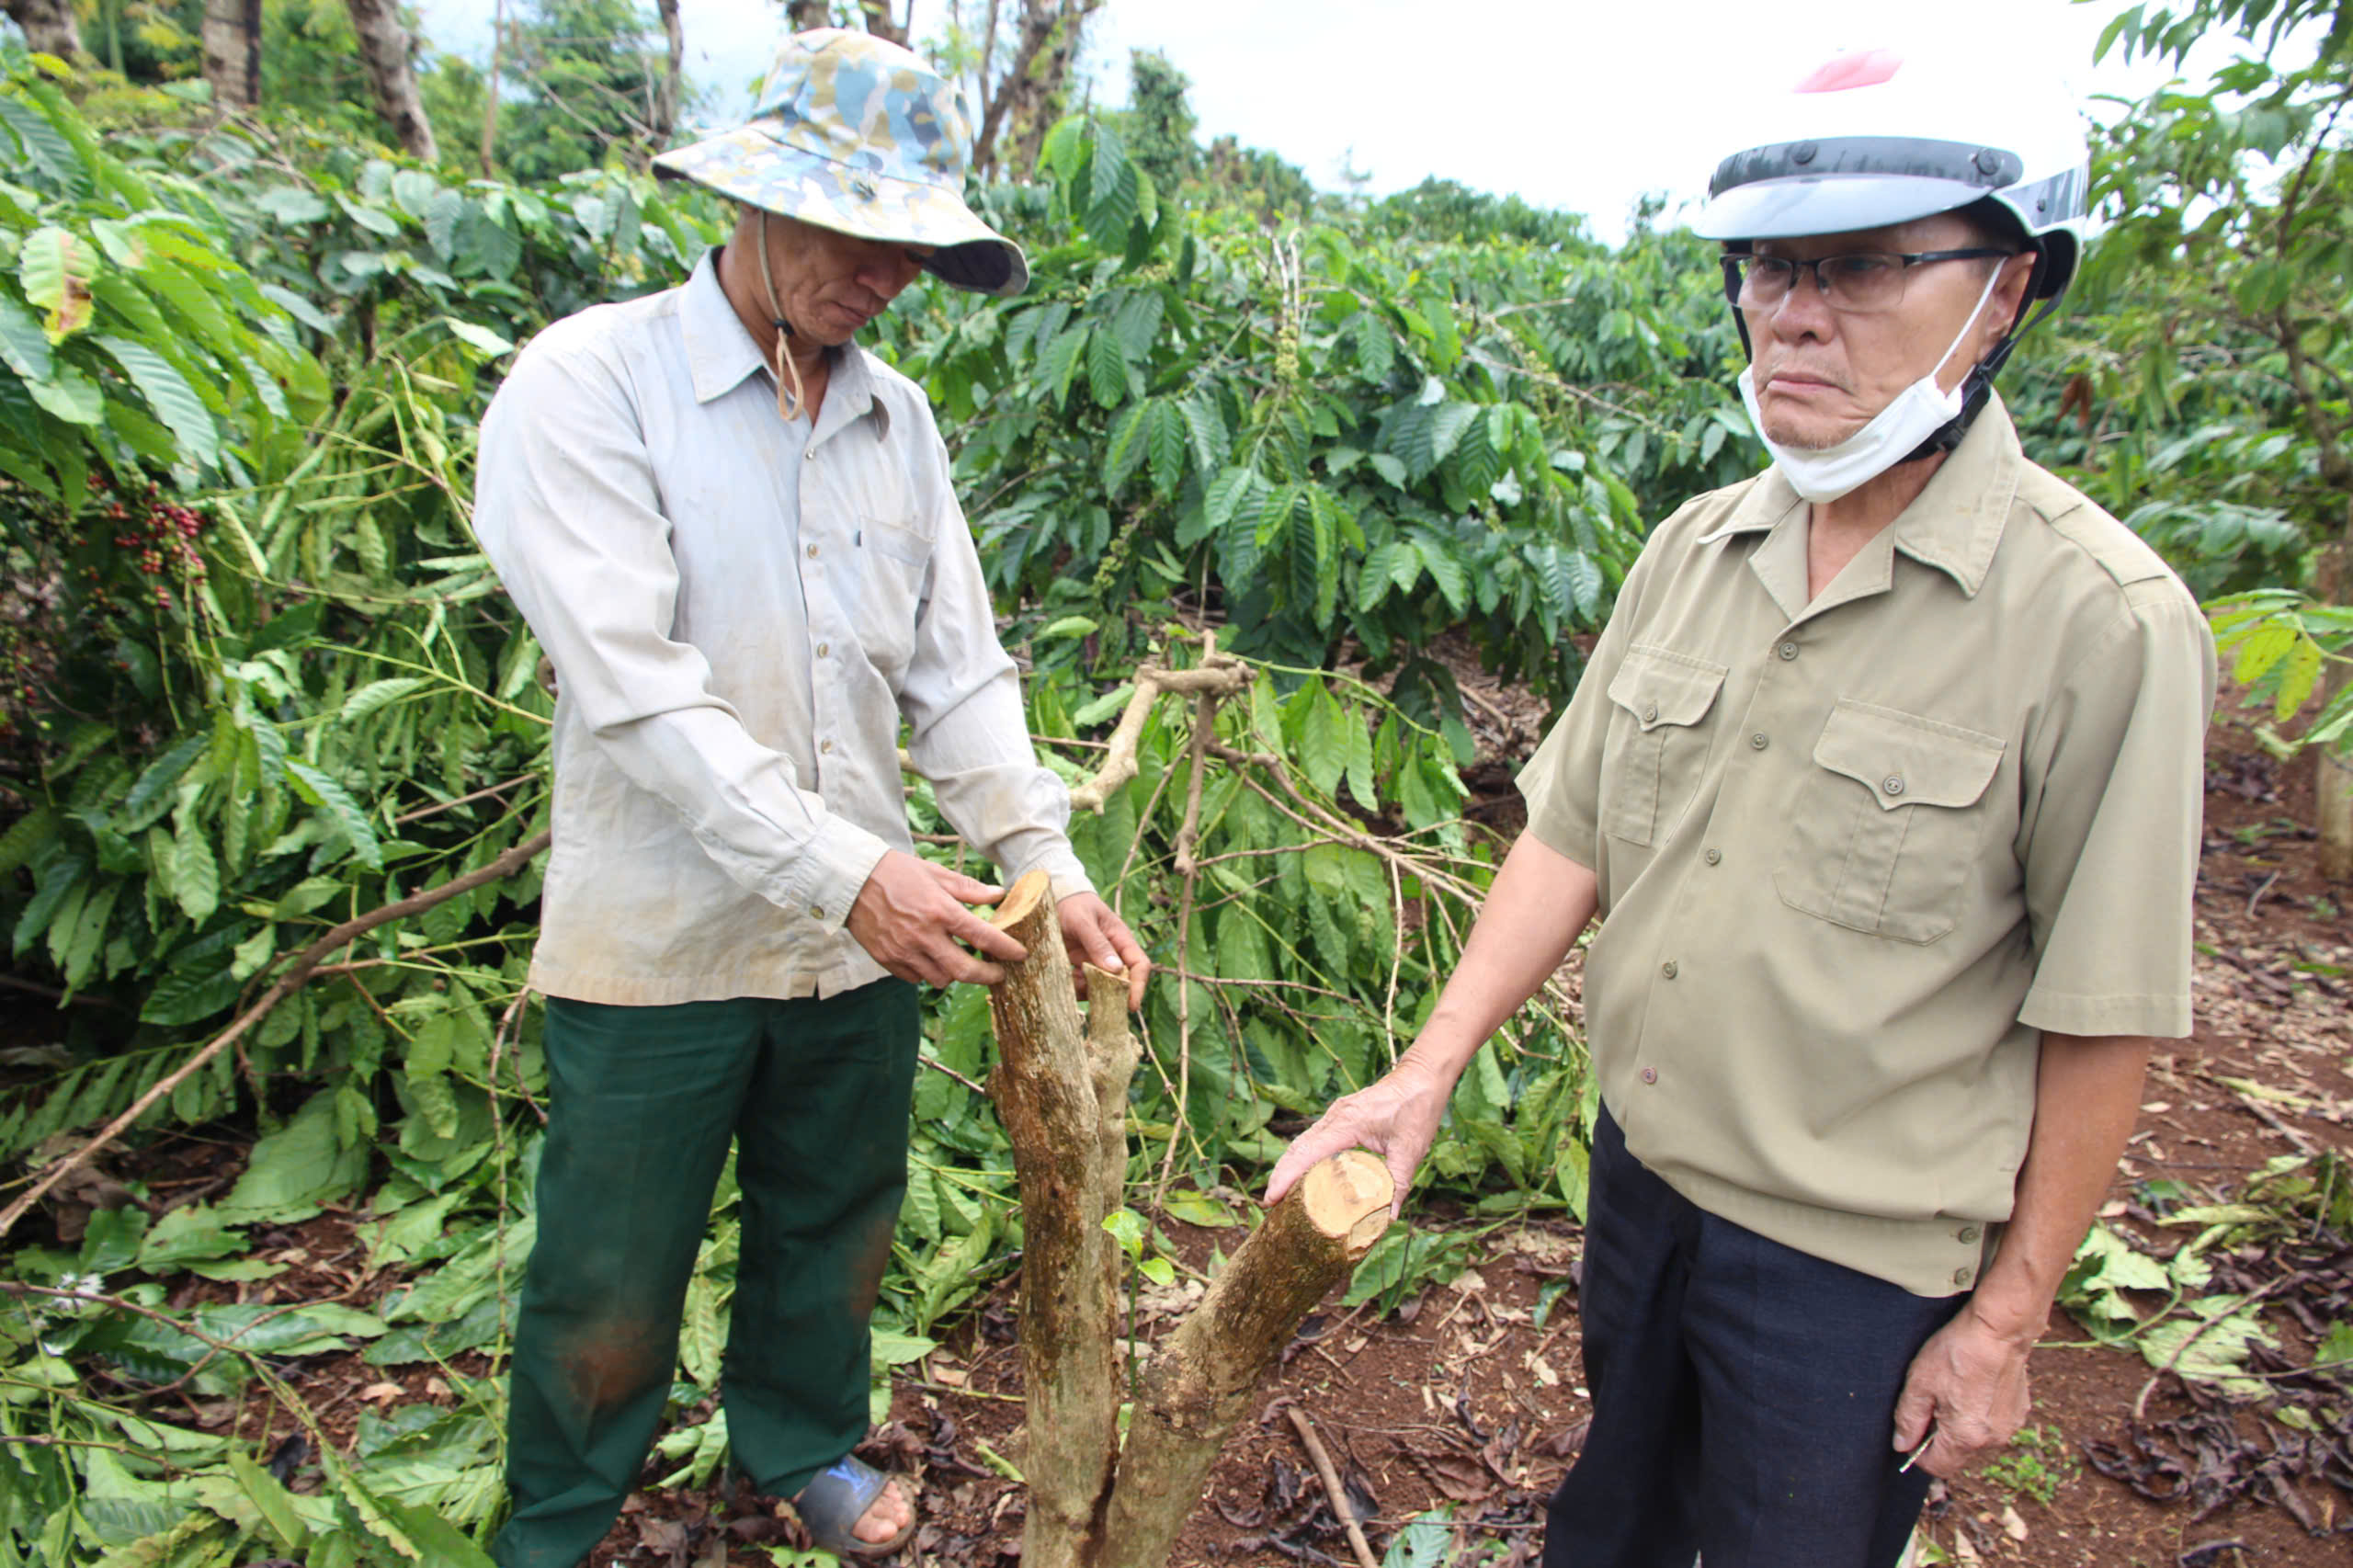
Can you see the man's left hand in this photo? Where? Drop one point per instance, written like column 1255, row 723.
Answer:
column 1970, row 1379
column 1093, row 934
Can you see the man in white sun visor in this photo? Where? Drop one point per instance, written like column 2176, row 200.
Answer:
column 1886, row 781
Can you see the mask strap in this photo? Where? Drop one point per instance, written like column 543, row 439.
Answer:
column 1966, row 327
column 792, row 397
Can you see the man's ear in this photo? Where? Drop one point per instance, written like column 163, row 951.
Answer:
column 2010, row 305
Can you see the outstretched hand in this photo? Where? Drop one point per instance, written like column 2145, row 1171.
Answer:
column 910, row 916
column 1396, row 1116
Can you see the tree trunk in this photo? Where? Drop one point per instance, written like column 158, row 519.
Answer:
column 807, row 13
column 1035, row 85
column 384, row 47
column 1203, row 1377
column 490, row 90
column 232, row 43
column 2332, row 769
column 1064, row 1107
column 665, row 96
column 1062, row 1095
column 50, row 25
column 879, row 22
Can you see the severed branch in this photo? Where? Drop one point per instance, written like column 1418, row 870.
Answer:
column 1217, row 675
column 305, row 964
column 1204, row 1375
column 1341, row 1507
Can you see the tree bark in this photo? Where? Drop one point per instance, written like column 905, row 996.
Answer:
column 1203, row 1377
column 384, row 47
column 490, row 90
column 1062, row 1095
column 1034, row 86
column 231, row 45
column 807, row 13
column 2332, row 769
column 1064, row 1109
column 50, row 25
column 665, row 96
column 879, row 22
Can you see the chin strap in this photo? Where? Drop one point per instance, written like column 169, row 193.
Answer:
column 792, row 397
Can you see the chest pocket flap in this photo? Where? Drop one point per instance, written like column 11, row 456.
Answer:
column 1657, row 685
column 1657, row 751
column 1905, row 760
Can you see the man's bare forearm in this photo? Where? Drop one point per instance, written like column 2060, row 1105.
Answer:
column 1540, row 902
column 2087, row 1095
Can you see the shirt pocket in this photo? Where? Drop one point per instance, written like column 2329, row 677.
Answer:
column 1889, row 823
column 1656, row 747
column 893, row 565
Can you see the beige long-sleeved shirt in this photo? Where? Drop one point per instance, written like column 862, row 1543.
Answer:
column 740, row 612
column 1857, row 851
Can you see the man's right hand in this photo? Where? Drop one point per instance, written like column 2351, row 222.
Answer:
column 910, row 916
column 1396, row 1116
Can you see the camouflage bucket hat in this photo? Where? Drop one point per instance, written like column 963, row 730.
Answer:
column 857, row 135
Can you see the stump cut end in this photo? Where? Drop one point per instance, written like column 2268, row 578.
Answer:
column 1348, row 1196
column 1023, row 897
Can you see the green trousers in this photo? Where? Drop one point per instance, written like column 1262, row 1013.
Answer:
column 642, row 1102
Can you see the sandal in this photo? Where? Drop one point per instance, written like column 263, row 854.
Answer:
column 832, row 1503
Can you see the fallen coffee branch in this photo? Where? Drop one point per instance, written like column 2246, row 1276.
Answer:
column 305, row 964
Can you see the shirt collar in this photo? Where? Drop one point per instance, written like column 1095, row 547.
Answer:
column 721, row 354
column 1954, row 524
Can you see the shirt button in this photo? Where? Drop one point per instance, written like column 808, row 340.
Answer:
column 825, row 745
column 1650, row 1075
column 822, row 648
column 1892, row 783
column 813, row 553
column 809, row 455
column 1961, row 1277
column 1668, row 969
column 1970, row 1233
column 1758, row 741
column 1786, row 650
column 1650, row 714
column 1713, row 857
column 816, row 912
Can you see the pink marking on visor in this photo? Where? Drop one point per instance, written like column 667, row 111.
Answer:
column 1867, row 68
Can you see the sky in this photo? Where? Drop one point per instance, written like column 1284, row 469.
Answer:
column 1582, row 104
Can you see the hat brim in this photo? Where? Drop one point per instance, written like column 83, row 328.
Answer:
column 1828, row 204
column 748, row 165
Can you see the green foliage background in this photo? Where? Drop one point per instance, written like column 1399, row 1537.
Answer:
column 258, row 680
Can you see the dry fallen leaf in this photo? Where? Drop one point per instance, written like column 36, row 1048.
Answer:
column 2012, row 1525
column 1543, row 1370
column 378, row 1393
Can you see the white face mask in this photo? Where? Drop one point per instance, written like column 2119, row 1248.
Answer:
column 1918, row 413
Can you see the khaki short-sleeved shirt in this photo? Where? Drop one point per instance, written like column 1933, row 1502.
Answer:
column 1856, row 854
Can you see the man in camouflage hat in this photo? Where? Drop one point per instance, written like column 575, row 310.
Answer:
column 734, row 533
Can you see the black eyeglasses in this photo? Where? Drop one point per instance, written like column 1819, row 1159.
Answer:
column 1860, row 282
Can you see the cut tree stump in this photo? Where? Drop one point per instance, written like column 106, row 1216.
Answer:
column 1061, row 1092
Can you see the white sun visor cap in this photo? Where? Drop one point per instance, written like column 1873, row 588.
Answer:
column 1874, row 138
